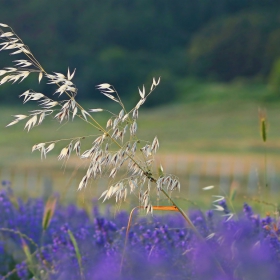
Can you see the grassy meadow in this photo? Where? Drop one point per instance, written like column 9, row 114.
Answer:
column 213, row 130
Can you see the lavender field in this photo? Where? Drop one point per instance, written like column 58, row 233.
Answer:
column 75, row 244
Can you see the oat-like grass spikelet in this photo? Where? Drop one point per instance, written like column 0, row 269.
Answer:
column 113, row 148
column 116, row 146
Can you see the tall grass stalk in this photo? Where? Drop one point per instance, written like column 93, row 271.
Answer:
column 169, row 208
column 115, row 146
column 21, row 235
column 263, row 130
column 77, row 252
column 31, row 264
column 160, row 208
column 111, row 148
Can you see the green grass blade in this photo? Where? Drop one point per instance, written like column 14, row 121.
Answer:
column 77, row 252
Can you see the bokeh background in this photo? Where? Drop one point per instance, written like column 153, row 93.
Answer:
column 219, row 62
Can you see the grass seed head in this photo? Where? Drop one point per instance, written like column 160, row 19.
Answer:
column 112, row 149
column 263, row 124
column 48, row 212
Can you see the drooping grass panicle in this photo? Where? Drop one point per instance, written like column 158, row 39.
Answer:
column 115, row 147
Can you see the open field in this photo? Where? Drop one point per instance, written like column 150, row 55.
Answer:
column 200, row 142
column 225, row 127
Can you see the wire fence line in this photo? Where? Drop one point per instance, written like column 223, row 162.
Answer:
column 194, row 172
column 247, row 173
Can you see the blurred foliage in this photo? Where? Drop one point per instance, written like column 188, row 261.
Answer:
column 240, row 45
column 128, row 42
column 274, row 77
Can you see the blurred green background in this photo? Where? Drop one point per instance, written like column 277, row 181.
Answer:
column 219, row 61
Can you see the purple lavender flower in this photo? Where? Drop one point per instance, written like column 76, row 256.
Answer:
column 157, row 248
column 22, row 271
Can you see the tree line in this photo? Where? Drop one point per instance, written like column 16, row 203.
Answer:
column 127, row 42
